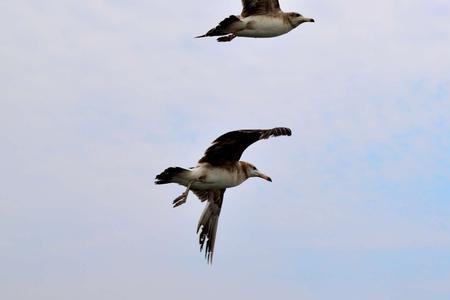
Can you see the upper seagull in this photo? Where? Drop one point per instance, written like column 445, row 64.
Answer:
column 258, row 19
column 216, row 171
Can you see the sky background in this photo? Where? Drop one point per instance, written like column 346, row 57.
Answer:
column 97, row 97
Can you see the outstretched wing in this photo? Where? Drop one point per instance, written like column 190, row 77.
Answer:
column 259, row 7
column 207, row 225
column 230, row 146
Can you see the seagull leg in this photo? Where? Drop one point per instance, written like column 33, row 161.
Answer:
column 226, row 38
column 183, row 197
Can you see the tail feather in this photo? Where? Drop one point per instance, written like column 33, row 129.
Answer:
column 223, row 28
column 169, row 175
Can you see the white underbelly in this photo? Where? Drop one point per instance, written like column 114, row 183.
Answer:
column 263, row 26
column 217, row 178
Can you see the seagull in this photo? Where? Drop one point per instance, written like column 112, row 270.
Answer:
column 258, row 19
column 220, row 168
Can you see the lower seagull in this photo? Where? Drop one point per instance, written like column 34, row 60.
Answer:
column 220, row 168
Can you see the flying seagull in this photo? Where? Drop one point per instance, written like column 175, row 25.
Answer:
column 219, row 169
column 258, row 19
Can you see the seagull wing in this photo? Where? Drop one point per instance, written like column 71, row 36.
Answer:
column 230, row 146
column 259, row 7
column 203, row 195
column 207, row 225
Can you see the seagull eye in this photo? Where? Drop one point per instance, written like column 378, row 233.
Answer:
column 254, row 168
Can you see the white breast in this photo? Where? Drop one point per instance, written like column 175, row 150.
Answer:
column 264, row 26
column 216, row 178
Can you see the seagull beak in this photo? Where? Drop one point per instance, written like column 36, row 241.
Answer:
column 311, row 20
column 263, row 176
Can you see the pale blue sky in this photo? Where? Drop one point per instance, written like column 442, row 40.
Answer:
column 98, row 97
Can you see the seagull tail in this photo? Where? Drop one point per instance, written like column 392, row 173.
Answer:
column 169, row 175
column 226, row 26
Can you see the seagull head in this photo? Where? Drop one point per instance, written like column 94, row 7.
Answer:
column 297, row 19
column 252, row 171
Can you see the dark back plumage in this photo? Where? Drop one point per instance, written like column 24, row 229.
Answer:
column 229, row 147
column 259, row 7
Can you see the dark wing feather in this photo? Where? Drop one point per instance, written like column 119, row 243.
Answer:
column 259, row 7
column 230, row 146
column 203, row 195
column 207, row 225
